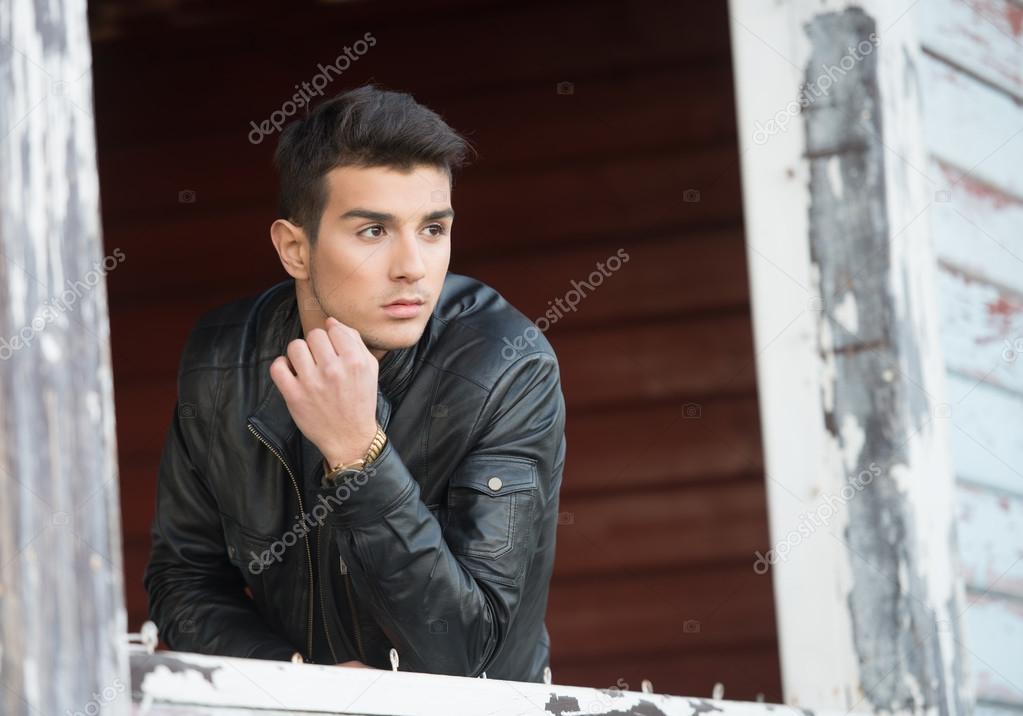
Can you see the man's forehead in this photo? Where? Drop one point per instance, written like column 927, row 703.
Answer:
column 423, row 176
column 384, row 190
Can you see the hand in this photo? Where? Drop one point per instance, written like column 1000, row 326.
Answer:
column 355, row 664
column 329, row 382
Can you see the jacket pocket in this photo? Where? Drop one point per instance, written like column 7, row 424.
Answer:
column 262, row 569
column 490, row 505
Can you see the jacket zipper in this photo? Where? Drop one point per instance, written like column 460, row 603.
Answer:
column 355, row 614
column 308, row 552
column 323, row 602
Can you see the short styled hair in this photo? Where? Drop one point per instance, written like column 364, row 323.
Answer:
column 364, row 127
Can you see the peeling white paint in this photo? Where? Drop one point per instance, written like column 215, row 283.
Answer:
column 834, row 170
column 853, row 439
column 847, row 313
column 819, row 650
column 828, row 369
column 92, row 406
column 226, row 682
column 50, row 348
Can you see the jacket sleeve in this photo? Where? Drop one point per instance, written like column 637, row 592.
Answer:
column 196, row 595
column 446, row 594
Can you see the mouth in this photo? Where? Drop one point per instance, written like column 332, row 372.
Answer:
column 404, row 308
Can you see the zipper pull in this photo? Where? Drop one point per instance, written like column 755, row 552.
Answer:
column 344, row 567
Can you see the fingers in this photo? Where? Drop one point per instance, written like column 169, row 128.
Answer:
column 300, row 357
column 320, row 346
column 343, row 338
column 280, row 373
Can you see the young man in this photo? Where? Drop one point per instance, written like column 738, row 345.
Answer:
column 367, row 456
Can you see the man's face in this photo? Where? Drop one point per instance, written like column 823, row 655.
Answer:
column 384, row 236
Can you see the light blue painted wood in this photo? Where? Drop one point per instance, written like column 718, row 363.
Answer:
column 986, row 434
column 990, row 539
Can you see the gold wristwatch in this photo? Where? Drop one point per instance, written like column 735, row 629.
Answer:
column 376, row 446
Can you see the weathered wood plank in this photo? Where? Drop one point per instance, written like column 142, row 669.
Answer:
column 990, row 708
column 308, row 689
column 977, row 227
column 985, row 38
column 515, row 44
column 990, row 539
column 995, row 626
column 745, row 672
column 981, row 329
column 849, row 366
column 600, row 117
column 660, row 529
column 62, row 618
column 714, row 439
column 985, row 448
column 972, row 127
column 657, row 361
column 659, row 276
column 678, row 612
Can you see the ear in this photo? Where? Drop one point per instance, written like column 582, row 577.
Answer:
column 292, row 247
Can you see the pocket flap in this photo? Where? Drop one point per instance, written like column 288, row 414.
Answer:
column 495, row 474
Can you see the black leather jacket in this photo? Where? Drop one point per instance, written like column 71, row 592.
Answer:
column 442, row 549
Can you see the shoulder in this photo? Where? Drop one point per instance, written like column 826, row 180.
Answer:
column 242, row 332
column 479, row 336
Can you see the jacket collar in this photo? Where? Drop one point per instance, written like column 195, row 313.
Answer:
column 271, row 418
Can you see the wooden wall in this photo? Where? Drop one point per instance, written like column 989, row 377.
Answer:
column 663, row 503
column 973, row 90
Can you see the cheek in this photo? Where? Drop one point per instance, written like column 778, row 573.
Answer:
column 440, row 256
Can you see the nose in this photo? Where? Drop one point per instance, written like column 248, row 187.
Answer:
column 407, row 258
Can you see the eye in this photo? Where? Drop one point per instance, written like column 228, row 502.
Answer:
column 441, row 231
column 376, row 227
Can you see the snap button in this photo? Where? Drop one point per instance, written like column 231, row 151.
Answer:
column 494, row 483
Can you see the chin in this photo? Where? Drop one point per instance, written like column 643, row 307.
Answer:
column 397, row 337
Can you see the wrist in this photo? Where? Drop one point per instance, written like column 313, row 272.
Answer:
column 342, row 455
column 332, row 467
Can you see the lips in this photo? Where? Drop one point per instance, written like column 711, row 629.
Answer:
column 404, row 308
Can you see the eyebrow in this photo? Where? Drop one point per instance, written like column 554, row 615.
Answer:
column 385, row 218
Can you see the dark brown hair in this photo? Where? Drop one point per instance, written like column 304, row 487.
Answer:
column 364, row 127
